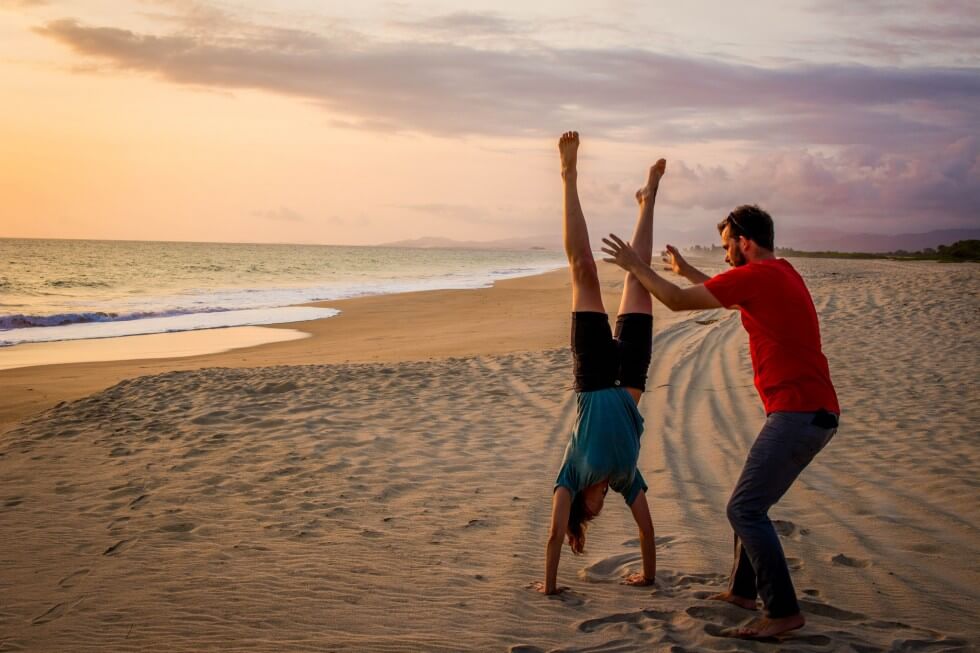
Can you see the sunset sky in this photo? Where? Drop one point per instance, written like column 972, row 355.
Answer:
column 318, row 122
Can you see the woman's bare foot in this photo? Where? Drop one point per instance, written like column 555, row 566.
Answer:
column 568, row 151
column 649, row 191
column 734, row 599
column 766, row 627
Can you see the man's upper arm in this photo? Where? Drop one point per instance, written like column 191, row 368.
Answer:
column 696, row 297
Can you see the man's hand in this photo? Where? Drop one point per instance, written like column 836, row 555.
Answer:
column 675, row 261
column 637, row 580
column 539, row 586
column 622, row 254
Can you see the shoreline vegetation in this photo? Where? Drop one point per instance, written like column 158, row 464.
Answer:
column 958, row 252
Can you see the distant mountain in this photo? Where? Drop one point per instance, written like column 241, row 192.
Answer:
column 432, row 242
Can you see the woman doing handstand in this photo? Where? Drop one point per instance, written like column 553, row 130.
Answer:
column 610, row 376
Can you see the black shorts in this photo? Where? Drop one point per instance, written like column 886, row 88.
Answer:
column 603, row 360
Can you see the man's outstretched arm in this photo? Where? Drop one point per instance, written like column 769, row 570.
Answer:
column 673, row 297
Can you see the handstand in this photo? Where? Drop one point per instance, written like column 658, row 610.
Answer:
column 610, row 376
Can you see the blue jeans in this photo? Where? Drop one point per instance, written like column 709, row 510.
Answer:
column 785, row 446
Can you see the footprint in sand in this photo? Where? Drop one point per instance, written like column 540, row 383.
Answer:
column 634, row 619
column 120, row 546
column 795, row 564
column 682, row 580
column 847, row 561
column 829, row 611
column 926, row 548
column 55, row 612
column 663, row 542
column 609, row 569
column 73, row 578
column 178, row 527
column 788, row 529
column 569, row 597
column 795, row 640
column 135, row 503
column 718, row 611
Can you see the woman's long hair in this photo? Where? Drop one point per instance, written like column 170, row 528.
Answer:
column 578, row 521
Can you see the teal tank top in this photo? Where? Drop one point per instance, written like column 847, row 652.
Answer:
column 605, row 444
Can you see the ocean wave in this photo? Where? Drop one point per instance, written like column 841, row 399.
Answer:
column 20, row 321
column 75, row 283
column 165, row 324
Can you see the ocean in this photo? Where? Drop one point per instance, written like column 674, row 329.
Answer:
column 78, row 289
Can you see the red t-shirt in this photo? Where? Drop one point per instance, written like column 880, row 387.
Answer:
column 791, row 372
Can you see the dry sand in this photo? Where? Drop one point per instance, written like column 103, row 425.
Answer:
column 403, row 504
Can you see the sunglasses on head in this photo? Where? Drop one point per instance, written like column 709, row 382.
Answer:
column 731, row 218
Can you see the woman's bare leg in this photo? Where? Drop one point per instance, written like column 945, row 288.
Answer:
column 636, row 298
column 586, row 295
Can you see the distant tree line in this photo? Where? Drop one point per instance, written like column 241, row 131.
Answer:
column 961, row 250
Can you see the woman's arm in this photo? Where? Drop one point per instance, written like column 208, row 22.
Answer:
column 561, row 506
column 648, row 547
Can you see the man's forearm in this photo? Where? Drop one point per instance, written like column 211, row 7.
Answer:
column 657, row 286
column 694, row 275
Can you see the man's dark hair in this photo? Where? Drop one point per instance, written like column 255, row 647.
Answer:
column 752, row 222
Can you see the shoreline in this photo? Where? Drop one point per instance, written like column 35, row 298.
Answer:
column 517, row 314
column 144, row 346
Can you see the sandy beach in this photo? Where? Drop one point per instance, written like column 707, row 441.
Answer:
column 385, row 484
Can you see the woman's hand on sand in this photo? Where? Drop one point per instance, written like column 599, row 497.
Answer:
column 637, row 580
column 539, row 586
column 622, row 254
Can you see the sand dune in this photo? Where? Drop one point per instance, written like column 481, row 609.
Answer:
column 404, row 505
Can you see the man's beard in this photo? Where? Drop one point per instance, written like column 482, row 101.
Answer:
column 737, row 259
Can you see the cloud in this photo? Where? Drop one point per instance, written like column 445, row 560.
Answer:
column 446, row 88
column 282, row 214
column 900, row 30
column 860, row 183
column 860, row 140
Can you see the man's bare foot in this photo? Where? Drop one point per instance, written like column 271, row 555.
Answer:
column 734, row 599
column 568, row 151
column 649, row 191
column 766, row 627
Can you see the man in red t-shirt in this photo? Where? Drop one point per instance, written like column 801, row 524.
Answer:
column 793, row 379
